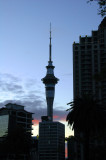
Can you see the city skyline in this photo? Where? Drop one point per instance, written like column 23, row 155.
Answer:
column 25, row 51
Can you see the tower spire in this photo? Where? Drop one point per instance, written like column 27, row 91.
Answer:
column 50, row 46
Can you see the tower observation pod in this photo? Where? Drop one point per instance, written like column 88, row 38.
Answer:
column 50, row 80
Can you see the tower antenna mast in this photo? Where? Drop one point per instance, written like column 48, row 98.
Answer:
column 50, row 46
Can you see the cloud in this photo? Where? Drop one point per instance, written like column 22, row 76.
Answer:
column 27, row 94
column 38, row 109
column 9, row 77
column 7, row 87
column 13, row 85
column 30, row 82
column 60, row 115
column 10, row 84
column 14, row 90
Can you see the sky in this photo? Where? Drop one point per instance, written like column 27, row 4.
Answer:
column 24, row 51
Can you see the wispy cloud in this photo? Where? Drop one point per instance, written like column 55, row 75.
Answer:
column 26, row 93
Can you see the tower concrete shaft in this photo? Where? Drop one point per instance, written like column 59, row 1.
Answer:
column 50, row 80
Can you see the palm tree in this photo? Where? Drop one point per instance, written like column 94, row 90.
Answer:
column 86, row 115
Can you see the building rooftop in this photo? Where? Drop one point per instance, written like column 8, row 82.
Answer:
column 13, row 106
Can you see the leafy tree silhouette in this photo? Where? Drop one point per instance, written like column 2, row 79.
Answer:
column 102, row 6
column 86, row 115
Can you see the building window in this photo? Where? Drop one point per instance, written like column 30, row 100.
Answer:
column 82, row 40
column 76, row 48
column 82, row 47
column 95, row 46
column 89, row 39
column 76, row 52
column 89, row 47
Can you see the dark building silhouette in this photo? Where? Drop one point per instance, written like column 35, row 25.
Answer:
column 89, row 75
column 14, row 115
column 71, row 148
column 89, row 64
column 51, row 134
column 16, row 123
column 51, row 141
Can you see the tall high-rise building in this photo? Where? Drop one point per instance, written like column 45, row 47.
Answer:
column 51, row 134
column 89, row 72
column 89, row 63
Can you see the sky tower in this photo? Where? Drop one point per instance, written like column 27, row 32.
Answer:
column 50, row 80
column 51, row 133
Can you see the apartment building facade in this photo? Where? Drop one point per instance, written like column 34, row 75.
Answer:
column 89, row 74
column 14, row 115
column 89, row 64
